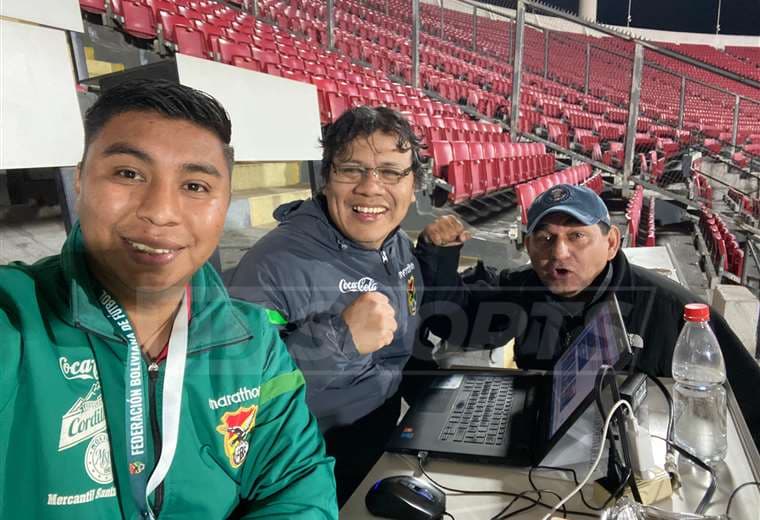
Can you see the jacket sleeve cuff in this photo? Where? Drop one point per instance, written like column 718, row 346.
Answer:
column 440, row 265
column 344, row 338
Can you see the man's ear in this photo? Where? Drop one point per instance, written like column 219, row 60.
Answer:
column 77, row 179
column 613, row 242
column 78, row 185
column 526, row 243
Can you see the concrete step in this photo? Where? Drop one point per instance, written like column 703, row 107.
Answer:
column 250, row 208
column 265, row 175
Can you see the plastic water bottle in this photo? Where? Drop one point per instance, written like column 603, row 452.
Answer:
column 699, row 397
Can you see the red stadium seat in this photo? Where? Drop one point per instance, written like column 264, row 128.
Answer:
column 138, row 20
column 190, row 42
column 93, row 6
column 525, row 196
column 455, row 175
column 228, row 50
column 160, row 5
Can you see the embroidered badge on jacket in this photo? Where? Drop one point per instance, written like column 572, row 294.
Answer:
column 236, row 427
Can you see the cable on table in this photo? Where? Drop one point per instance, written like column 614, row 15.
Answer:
column 591, row 471
column 422, row 457
column 735, row 491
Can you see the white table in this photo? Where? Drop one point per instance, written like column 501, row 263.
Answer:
column 742, row 464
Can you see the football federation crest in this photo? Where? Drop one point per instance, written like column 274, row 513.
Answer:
column 411, row 296
column 236, row 427
column 135, row 468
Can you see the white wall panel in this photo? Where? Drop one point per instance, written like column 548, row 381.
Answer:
column 62, row 14
column 40, row 121
column 273, row 119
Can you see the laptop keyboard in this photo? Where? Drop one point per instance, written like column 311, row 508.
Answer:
column 481, row 413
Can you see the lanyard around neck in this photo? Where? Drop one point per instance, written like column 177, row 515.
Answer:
column 136, row 412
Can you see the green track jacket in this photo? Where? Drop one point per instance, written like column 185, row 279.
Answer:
column 62, row 398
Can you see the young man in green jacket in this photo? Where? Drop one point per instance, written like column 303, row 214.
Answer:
column 131, row 385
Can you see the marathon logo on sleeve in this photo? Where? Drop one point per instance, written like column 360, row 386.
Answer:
column 365, row 284
column 406, row 271
column 243, row 395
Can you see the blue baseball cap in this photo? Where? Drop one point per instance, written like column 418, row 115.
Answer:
column 579, row 202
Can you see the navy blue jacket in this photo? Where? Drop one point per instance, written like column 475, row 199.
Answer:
column 516, row 304
column 309, row 272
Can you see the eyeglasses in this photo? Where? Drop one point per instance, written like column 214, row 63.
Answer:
column 353, row 174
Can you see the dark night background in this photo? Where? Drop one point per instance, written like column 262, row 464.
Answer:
column 737, row 16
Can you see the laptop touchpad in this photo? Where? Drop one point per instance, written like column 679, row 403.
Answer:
column 436, row 401
column 438, row 397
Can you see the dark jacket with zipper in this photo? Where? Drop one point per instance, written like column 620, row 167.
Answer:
column 516, row 304
column 307, row 271
column 63, row 447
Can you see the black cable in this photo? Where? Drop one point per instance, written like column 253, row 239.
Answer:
column 710, row 491
column 671, row 444
column 735, row 491
column 577, row 482
column 449, row 515
column 629, row 477
column 503, row 515
column 423, row 456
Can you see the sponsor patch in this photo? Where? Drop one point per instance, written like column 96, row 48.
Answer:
column 54, row 499
column 411, row 296
column 241, row 396
column 235, row 428
column 365, row 284
column 85, row 419
column 80, row 369
column 97, row 459
column 406, row 271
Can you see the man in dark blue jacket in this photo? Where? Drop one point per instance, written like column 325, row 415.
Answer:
column 340, row 276
column 576, row 262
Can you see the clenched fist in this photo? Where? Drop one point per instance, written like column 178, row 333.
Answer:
column 446, row 231
column 371, row 320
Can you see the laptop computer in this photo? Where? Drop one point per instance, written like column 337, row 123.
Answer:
column 509, row 416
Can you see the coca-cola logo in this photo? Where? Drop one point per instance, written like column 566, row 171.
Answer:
column 85, row 369
column 365, row 284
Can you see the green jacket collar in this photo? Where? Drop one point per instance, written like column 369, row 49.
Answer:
column 215, row 321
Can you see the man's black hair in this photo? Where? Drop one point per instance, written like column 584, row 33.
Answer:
column 363, row 121
column 163, row 97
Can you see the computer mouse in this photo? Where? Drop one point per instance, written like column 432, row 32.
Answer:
column 406, row 498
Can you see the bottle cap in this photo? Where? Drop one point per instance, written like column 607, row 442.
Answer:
column 696, row 312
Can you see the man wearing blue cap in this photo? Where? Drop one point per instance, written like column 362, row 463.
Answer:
column 575, row 262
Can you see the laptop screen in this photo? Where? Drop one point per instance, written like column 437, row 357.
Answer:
column 601, row 342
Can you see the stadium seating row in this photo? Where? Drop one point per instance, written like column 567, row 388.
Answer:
column 651, row 169
column 633, row 216
column 703, row 191
column 724, row 249
column 740, row 201
column 475, row 169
